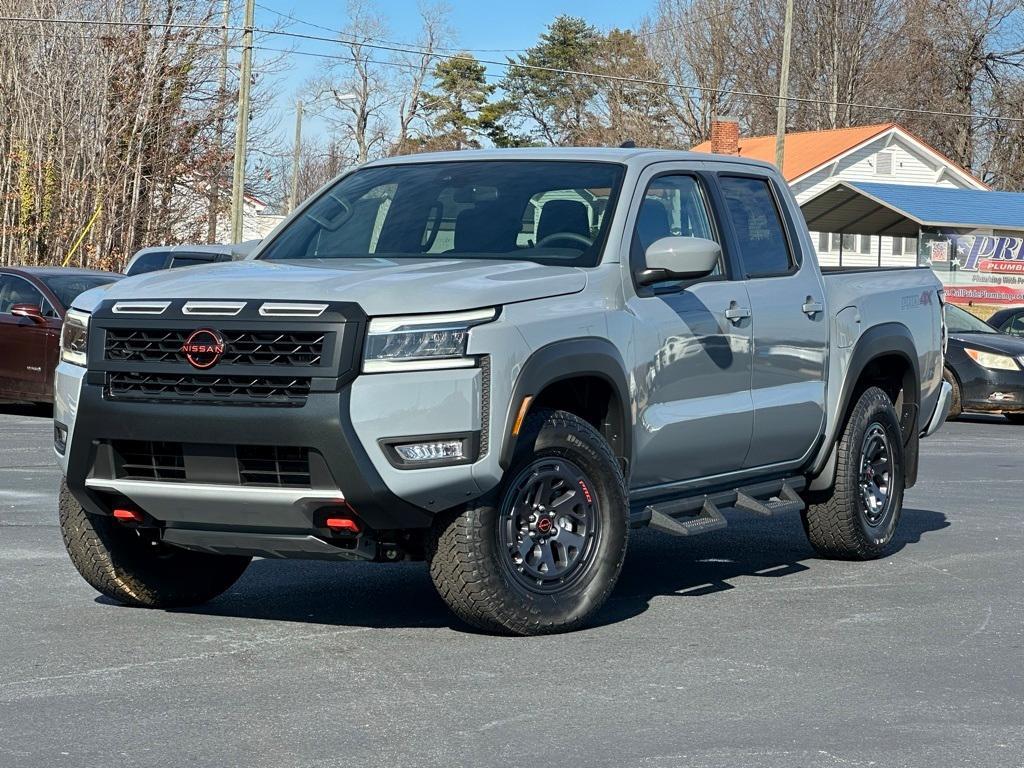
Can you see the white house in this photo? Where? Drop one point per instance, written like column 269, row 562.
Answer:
column 817, row 160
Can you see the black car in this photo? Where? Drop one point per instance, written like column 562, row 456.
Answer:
column 1009, row 320
column 985, row 367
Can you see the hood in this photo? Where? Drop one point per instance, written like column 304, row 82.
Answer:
column 999, row 343
column 379, row 286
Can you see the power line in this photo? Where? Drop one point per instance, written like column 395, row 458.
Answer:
column 297, row 20
column 508, row 65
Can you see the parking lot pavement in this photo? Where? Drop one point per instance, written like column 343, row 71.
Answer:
column 737, row 648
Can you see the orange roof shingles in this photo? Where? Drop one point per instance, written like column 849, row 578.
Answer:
column 805, row 150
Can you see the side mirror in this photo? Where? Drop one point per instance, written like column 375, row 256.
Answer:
column 31, row 311
column 679, row 258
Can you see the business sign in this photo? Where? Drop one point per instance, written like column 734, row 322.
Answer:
column 979, row 269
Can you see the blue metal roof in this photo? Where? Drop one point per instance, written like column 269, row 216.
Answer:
column 954, row 207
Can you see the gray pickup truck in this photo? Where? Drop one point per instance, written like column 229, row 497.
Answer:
column 499, row 362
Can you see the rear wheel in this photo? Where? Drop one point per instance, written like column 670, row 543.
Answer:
column 131, row 565
column 858, row 519
column 955, row 406
column 543, row 552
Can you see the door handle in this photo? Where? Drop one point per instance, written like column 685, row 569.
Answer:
column 735, row 313
column 812, row 307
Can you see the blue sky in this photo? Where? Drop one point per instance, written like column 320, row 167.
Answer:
column 479, row 24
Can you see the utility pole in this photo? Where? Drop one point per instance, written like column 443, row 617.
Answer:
column 222, row 87
column 242, row 126
column 780, row 125
column 296, row 157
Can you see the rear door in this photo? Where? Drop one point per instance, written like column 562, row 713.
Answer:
column 23, row 343
column 790, row 327
column 692, row 343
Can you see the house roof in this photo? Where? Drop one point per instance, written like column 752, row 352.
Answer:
column 872, row 208
column 809, row 150
column 805, row 150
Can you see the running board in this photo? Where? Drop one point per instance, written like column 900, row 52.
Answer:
column 691, row 515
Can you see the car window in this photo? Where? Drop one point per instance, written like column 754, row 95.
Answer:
column 961, row 321
column 191, row 259
column 17, row 290
column 149, row 262
column 547, row 212
column 1015, row 325
column 764, row 250
column 673, row 206
column 67, row 287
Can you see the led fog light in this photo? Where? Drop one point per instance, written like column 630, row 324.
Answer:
column 439, row 450
column 416, row 451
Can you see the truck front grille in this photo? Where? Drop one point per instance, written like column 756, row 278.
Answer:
column 209, row 389
column 163, row 345
column 253, row 465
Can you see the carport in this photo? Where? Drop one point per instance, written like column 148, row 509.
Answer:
column 973, row 239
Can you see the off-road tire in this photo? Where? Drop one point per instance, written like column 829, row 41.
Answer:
column 464, row 550
column 124, row 564
column 956, row 407
column 837, row 526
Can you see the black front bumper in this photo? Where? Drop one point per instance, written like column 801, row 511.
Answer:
column 321, row 425
column 214, row 420
column 990, row 391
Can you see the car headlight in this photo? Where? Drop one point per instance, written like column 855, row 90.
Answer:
column 74, row 338
column 992, row 361
column 421, row 342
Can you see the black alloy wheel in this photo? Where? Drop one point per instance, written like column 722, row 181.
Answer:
column 549, row 525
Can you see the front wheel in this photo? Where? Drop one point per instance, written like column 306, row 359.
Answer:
column 858, row 519
column 542, row 553
column 956, row 407
column 132, row 566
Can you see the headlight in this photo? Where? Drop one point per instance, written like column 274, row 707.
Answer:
column 74, row 338
column 421, row 342
column 992, row 361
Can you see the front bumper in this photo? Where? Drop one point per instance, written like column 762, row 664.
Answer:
column 991, row 391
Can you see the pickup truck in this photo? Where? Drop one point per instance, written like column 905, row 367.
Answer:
column 498, row 362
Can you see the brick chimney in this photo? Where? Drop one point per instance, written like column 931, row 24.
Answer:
column 725, row 135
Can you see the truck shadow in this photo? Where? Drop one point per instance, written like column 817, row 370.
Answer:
column 665, row 566
column 368, row 595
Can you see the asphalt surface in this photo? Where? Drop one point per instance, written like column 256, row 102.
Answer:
column 736, row 648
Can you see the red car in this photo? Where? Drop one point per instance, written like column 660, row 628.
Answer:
column 33, row 301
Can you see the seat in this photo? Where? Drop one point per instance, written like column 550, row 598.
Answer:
column 486, row 228
column 563, row 216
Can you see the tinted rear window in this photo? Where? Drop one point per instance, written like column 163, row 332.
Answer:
column 755, row 218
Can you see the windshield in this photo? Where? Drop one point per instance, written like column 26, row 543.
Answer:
column 549, row 212
column 67, row 287
column 962, row 321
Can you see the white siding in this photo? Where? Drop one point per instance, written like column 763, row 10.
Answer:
column 910, row 165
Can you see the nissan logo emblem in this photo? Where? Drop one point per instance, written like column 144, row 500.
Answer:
column 203, row 349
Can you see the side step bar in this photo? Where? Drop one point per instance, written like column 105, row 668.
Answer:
column 691, row 515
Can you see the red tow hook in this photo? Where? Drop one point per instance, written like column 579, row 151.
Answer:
column 344, row 524
column 128, row 515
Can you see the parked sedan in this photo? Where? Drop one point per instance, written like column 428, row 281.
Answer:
column 33, row 301
column 985, row 367
column 1009, row 320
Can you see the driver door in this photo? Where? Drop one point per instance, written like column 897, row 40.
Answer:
column 23, row 343
column 694, row 412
